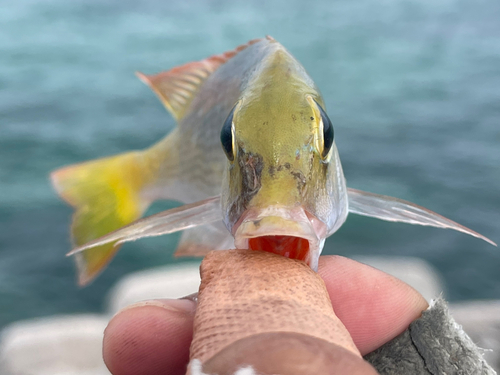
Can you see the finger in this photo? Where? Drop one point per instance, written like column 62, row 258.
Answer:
column 150, row 338
column 271, row 313
column 374, row 306
column 284, row 353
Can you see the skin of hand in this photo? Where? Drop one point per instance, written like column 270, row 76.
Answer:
column 153, row 337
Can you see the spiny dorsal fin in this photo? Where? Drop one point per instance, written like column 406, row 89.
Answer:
column 178, row 86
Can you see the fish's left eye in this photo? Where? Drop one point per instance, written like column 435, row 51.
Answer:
column 327, row 132
column 227, row 136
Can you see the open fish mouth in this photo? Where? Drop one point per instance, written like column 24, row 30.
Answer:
column 292, row 233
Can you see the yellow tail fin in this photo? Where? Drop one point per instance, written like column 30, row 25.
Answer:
column 105, row 194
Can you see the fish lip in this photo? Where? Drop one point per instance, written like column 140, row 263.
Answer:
column 281, row 221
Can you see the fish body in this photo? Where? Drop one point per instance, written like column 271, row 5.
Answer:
column 253, row 133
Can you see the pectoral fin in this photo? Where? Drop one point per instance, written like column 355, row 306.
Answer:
column 394, row 209
column 169, row 221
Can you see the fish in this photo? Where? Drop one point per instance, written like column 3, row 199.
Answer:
column 253, row 158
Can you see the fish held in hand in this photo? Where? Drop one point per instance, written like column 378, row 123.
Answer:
column 262, row 168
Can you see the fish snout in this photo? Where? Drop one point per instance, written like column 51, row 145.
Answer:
column 293, row 233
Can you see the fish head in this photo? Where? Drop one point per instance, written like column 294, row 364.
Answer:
column 283, row 188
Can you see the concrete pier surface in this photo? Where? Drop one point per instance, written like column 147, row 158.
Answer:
column 71, row 344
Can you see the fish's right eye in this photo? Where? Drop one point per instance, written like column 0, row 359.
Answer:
column 227, row 136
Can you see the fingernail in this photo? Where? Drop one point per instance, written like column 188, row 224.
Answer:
column 193, row 297
column 176, row 305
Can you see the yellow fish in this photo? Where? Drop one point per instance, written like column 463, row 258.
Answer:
column 254, row 148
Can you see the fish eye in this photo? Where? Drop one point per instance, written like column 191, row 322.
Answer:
column 327, row 128
column 227, row 136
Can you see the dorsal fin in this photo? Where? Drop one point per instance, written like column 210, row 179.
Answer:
column 177, row 87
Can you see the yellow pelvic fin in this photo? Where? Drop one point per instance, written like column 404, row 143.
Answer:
column 105, row 194
column 177, row 87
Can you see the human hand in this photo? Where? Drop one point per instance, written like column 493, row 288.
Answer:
column 153, row 337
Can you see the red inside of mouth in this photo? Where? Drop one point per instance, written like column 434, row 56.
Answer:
column 287, row 246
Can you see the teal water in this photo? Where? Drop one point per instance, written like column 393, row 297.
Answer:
column 412, row 88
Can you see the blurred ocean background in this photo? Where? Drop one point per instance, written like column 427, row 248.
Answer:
column 412, row 88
